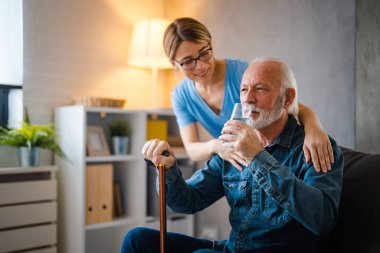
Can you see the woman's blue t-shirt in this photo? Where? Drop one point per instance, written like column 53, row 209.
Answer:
column 189, row 106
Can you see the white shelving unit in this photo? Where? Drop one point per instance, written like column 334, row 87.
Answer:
column 129, row 171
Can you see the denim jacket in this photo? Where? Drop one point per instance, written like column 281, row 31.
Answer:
column 279, row 203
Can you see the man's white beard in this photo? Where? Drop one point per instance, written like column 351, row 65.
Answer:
column 265, row 117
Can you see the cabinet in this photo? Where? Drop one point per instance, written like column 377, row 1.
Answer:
column 130, row 172
column 28, row 209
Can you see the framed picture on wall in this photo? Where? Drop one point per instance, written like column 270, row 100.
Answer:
column 96, row 141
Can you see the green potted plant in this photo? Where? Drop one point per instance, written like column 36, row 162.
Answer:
column 120, row 131
column 29, row 139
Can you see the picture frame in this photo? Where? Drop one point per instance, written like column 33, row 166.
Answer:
column 96, row 141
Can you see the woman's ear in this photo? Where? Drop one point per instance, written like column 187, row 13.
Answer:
column 174, row 65
column 290, row 94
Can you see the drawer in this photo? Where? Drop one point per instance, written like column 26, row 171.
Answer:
column 19, row 192
column 28, row 238
column 28, row 214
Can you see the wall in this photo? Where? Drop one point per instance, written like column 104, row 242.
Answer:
column 80, row 48
column 315, row 37
column 77, row 48
column 368, row 76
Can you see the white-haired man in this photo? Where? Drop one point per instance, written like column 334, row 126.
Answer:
column 278, row 202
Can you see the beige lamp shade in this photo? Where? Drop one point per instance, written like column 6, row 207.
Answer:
column 147, row 44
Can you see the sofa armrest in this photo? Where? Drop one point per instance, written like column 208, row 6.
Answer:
column 358, row 229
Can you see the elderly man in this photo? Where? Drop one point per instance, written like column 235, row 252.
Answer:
column 278, row 202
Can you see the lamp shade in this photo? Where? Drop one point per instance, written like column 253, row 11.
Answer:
column 147, row 44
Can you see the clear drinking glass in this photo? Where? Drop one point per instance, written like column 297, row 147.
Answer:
column 239, row 114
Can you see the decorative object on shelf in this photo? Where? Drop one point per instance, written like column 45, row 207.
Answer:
column 147, row 51
column 120, row 131
column 29, row 156
column 98, row 101
column 96, row 141
column 29, row 139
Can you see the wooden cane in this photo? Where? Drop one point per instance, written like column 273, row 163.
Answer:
column 161, row 178
column 161, row 174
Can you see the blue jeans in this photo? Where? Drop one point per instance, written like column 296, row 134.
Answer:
column 146, row 240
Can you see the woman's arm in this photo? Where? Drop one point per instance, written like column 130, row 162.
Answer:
column 201, row 151
column 317, row 144
column 197, row 151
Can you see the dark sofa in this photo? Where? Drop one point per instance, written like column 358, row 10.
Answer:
column 358, row 229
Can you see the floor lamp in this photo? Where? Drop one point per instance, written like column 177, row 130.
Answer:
column 147, row 50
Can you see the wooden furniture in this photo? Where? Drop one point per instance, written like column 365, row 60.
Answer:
column 130, row 172
column 28, row 209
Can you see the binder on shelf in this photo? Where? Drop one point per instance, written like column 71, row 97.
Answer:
column 99, row 193
column 157, row 129
column 91, row 199
column 105, row 192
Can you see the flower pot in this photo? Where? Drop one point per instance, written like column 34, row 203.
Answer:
column 29, row 157
column 120, row 145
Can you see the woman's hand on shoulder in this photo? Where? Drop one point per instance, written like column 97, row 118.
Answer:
column 317, row 147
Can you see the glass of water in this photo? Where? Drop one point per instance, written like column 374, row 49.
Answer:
column 238, row 113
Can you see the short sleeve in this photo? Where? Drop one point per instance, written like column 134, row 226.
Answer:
column 180, row 109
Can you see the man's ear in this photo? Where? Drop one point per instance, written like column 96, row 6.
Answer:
column 290, row 94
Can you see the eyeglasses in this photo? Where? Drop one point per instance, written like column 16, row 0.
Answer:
column 205, row 56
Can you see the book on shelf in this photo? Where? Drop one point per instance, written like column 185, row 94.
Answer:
column 118, row 208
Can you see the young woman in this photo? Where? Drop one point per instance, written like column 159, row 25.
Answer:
column 209, row 91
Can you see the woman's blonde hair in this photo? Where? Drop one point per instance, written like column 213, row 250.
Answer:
column 184, row 29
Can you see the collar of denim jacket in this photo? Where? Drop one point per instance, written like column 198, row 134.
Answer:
column 285, row 138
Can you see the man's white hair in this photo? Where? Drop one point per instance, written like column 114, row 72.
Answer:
column 287, row 81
